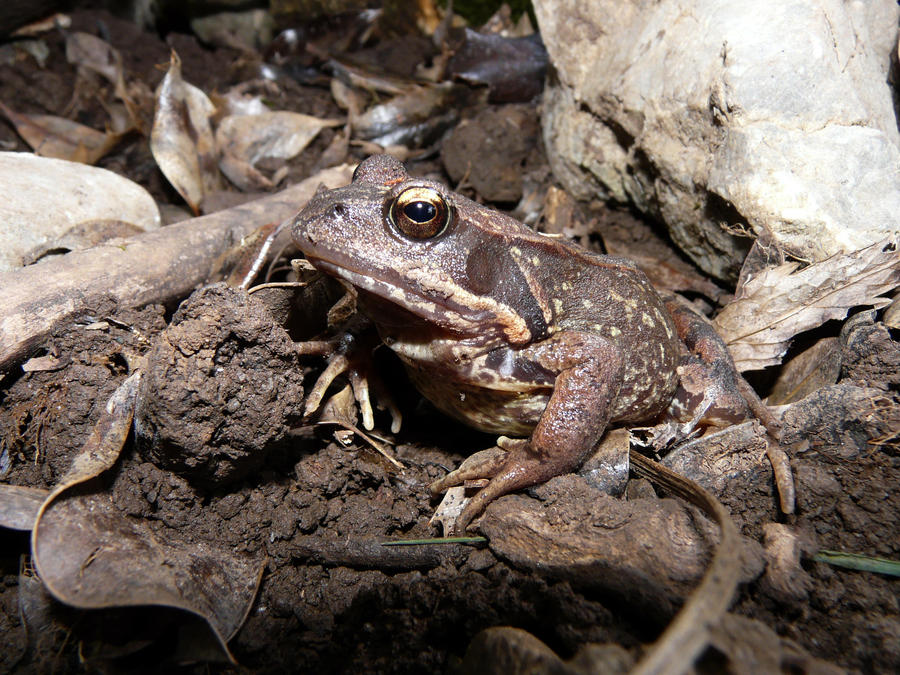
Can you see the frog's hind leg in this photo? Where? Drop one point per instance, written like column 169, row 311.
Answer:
column 710, row 373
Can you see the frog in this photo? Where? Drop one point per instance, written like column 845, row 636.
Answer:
column 505, row 329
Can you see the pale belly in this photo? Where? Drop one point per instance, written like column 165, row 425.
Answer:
column 497, row 411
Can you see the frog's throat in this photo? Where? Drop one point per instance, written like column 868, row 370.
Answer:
column 458, row 311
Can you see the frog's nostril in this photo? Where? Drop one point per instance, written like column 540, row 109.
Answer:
column 339, row 209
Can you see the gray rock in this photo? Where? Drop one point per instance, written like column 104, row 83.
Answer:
column 707, row 113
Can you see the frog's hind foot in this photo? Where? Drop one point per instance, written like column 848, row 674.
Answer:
column 710, row 374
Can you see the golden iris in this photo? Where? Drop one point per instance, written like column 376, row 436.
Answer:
column 420, row 212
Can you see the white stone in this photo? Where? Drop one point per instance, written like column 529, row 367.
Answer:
column 50, row 203
column 688, row 108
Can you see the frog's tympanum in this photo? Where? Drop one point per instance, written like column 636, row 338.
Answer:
column 505, row 329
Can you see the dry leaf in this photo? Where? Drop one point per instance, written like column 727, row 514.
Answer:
column 414, row 118
column 512, row 68
column 348, row 98
column 58, row 137
column 244, row 175
column 892, row 314
column 245, row 140
column 88, row 51
column 337, row 151
column 50, row 23
column 48, row 362
column 236, row 101
column 279, row 134
column 340, row 409
column 814, row 368
column 447, row 512
column 182, row 140
column 777, row 304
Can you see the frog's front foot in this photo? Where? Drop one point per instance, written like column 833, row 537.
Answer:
column 479, row 466
column 349, row 356
column 511, row 466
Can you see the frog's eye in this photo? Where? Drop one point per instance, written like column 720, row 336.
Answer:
column 420, row 212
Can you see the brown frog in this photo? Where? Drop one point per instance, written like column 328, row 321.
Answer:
column 505, row 329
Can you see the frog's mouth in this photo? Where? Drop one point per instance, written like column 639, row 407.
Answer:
column 446, row 306
column 442, row 314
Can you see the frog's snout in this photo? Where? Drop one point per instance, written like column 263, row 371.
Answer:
column 320, row 226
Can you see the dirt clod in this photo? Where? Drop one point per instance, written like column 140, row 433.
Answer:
column 223, row 385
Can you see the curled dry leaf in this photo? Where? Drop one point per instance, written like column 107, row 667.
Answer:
column 777, row 304
column 245, row 140
column 103, row 446
column 512, row 68
column 61, row 138
column 182, row 140
column 414, row 118
column 91, row 556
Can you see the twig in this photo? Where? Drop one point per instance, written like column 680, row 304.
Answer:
column 373, row 554
column 688, row 634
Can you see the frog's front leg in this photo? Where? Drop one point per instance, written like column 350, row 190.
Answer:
column 349, row 353
column 588, row 375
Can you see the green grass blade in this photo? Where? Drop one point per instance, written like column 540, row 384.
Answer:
column 436, row 540
column 863, row 563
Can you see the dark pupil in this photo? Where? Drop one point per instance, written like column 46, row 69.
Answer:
column 420, row 212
